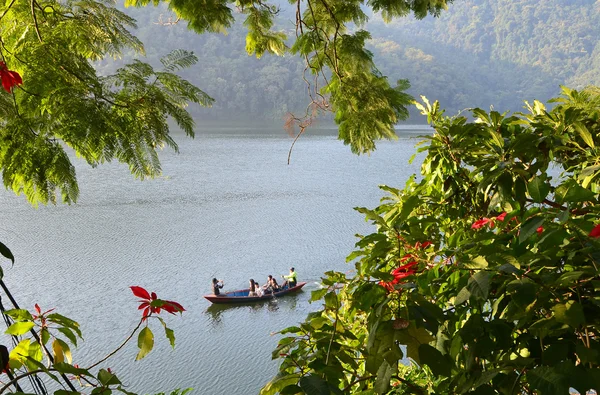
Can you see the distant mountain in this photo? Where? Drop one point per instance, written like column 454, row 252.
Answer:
column 478, row 53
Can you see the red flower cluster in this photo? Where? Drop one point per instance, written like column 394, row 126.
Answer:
column 406, row 269
column 151, row 304
column 480, row 223
column 399, row 273
column 9, row 78
column 595, row 233
column 41, row 316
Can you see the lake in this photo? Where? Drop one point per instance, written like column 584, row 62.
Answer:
column 227, row 206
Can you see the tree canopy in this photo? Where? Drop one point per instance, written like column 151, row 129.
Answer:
column 481, row 276
column 64, row 102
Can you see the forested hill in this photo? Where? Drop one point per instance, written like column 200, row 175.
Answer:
column 478, row 53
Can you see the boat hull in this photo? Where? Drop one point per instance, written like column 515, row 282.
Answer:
column 241, row 296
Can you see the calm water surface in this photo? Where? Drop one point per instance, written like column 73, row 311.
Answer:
column 227, row 206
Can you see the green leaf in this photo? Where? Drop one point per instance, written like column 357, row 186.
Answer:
column 462, row 296
column 68, row 334
column 291, row 390
column 19, row 315
column 586, row 355
column 530, row 227
column 318, row 322
column 431, row 357
column 101, row 391
column 408, row 206
column 547, row 380
column 570, row 313
column 314, row 385
column 145, row 343
column 570, row 191
column 170, row 335
column 331, row 300
column 19, row 354
column 478, row 262
column 479, row 284
column 44, row 335
column 317, row 294
column 584, row 133
column 5, row 251
column 569, row 278
column 279, row 382
column 65, row 321
column 19, row 328
column 412, row 338
column 384, row 374
column 107, row 378
column 538, row 189
column 70, row 369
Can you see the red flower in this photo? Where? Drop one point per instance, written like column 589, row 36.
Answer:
column 151, row 304
column 9, row 78
column 422, row 246
column 501, row 216
column 480, row 223
column 399, row 273
column 595, row 233
column 404, row 270
column 40, row 315
column 540, row 230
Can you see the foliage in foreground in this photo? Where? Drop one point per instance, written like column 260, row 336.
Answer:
column 42, row 342
column 56, row 99
column 482, row 275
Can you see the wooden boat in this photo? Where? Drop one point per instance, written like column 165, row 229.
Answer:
column 241, row 296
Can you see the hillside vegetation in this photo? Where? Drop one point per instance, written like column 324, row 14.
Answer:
column 479, row 53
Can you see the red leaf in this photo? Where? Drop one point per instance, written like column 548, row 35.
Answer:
column 426, row 244
column 404, row 268
column 6, row 84
column 146, row 313
column 172, row 307
column 153, row 296
column 140, row 292
column 9, row 78
column 595, row 233
column 37, row 308
column 501, row 216
column 480, row 223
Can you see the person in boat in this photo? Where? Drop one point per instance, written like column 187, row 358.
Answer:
column 258, row 289
column 216, row 286
column 271, row 285
column 274, row 286
column 253, row 287
column 291, row 279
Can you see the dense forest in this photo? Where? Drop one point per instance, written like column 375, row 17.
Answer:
column 480, row 52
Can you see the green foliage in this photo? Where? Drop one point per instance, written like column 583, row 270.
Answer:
column 482, row 273
column 63, row 102
column 43, row 347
